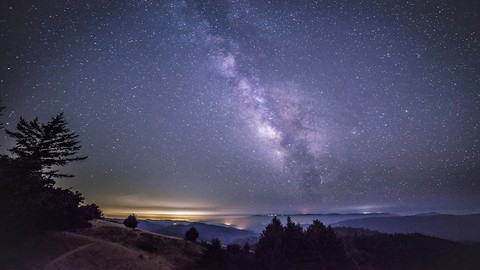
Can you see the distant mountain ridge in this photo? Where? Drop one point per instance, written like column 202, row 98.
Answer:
column 207, row 232
column 461, row 228
column 451, row 227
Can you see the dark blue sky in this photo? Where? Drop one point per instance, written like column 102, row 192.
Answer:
column 203, row 107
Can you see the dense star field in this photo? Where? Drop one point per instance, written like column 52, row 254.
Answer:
column 228, row 107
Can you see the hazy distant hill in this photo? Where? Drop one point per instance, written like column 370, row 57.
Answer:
column 207, row 232
column 452, row 227
column 155, row 225
column 372, row 250
column 213, row 228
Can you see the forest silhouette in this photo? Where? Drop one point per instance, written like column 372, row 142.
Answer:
column 31, row 202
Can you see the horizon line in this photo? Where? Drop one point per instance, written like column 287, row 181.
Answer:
column 200, row 217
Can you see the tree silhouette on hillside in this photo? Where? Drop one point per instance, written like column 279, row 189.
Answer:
column 293, row 242
column 269, row 247
column 214, row 257
column 323, row 247
column 191, row 234
column 290, row 247
column 44, row 146
column 131, row 221
column 30, row 200
column 1, row 114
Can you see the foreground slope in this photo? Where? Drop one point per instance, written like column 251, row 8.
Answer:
column 104, row 246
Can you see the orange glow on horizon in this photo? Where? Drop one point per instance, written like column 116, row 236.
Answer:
column 159, row 215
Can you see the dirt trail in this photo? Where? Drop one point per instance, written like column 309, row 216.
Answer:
column 51, row 264
column 103, row 246
column 100, row 254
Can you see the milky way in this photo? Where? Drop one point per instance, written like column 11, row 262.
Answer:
column 284, row 126
column 207, row 107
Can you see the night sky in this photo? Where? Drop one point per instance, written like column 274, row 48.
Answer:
column 241, row 107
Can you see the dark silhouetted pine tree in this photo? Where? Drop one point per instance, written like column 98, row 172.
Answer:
column 21, row 196
column 293, row 244
column 290, row 247
column 191, row 234
column 91, row 211
column 131, row 221
column 246, row 247
column 44, row 146
column 214, row 257
column 1, row 114
column 30, row 201
column 324, row 248
column 270, row 246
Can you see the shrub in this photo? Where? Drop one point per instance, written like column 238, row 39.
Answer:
column 131, row 221
column 191, row 234
column 216, row 244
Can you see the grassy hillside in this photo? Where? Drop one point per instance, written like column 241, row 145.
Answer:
column 104, row 246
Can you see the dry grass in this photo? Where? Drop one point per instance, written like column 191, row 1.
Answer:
column 104, row 246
